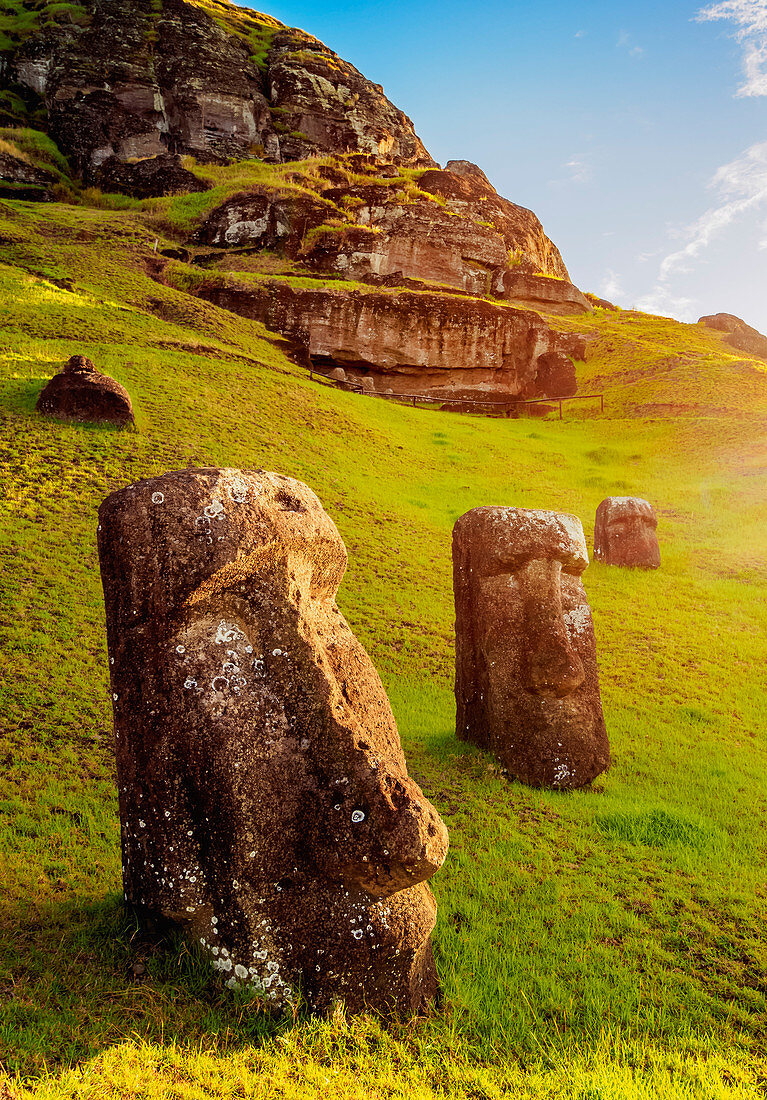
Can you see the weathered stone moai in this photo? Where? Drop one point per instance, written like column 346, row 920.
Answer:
column 526, row 684
column 80, row 392
column 624, row 533
column 264, row 797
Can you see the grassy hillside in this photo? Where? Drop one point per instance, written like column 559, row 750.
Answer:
column 600, row 945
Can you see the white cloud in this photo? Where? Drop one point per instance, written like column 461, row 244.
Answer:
column 742, row 189
column 625, row 43
column 581, row 34
column 579, row 168
column 611, row 285
column 751, row 18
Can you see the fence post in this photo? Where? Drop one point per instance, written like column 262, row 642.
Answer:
column 602, row 402
column 560, row 409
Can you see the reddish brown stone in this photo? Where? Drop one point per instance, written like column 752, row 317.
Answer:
column 526, row 684
column 543, row 292
column 264, row 797
column 624, row 533
column 80, row 392
column 738, row 334
column 432, row 345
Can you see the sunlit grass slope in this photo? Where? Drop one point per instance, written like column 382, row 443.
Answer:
column 599, row 945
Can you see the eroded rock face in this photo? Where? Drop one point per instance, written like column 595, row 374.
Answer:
column 526, row 685
column 159, row 175
column 541, row 292
column 264, row 218
column 739, row 334
column 472, row 196
column 135, row 82
column 264, row 797
column 80, row 392
column 326, row 105
column 434, row 345
column 624, row 533
column 20, row 180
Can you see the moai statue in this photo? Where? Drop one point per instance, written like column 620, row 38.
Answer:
column 624, row 533
column 264, row 797
column 526, row 683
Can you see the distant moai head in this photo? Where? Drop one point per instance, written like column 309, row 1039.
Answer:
column 526, row 683
column 264, row 796
column 624, row 533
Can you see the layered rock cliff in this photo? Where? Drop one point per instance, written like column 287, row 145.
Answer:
column 150, row 97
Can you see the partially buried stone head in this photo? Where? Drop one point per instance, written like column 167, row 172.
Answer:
column 526, row 686
column 264, row 795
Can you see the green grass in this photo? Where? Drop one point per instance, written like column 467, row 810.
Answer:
column 600, row 945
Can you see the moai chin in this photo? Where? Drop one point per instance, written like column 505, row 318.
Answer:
column 526, row 683
column 264, row 797
column 624, row 533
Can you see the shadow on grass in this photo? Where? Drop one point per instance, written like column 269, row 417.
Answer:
column 77, row 977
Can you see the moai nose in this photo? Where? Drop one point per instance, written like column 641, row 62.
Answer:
column 552, row 667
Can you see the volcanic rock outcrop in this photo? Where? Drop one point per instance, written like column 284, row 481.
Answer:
column 444, row 228
column 80, row 392
column 526, row 683
column 136, row 80
column 21, row 180
column 738, row 334
column 624, row 533
column 433, row 345
column 265, row 802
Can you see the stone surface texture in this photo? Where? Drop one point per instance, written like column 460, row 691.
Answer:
column 21, row 180
column 449, row 230
column 80, row 392
column 624, row 533
column 432, row 345
column 543, row 292
column 526, row 684
column 135, row 82
column 265, row 802
column 739, row 335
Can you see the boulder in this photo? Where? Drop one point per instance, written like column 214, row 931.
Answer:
column 738, row 334
column 80, row 392
column 526, row 682
column 265, row 802
column 434, row 345
column 624, row 533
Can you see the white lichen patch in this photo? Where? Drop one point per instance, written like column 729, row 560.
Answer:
column 578, row 619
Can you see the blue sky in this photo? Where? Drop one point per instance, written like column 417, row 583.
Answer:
column 636, row 132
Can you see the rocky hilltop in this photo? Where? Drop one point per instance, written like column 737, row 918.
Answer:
column 157, row 97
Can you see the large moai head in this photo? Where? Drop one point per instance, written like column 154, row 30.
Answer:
column 264, row 797
column 624, row 533
column 526, row 683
